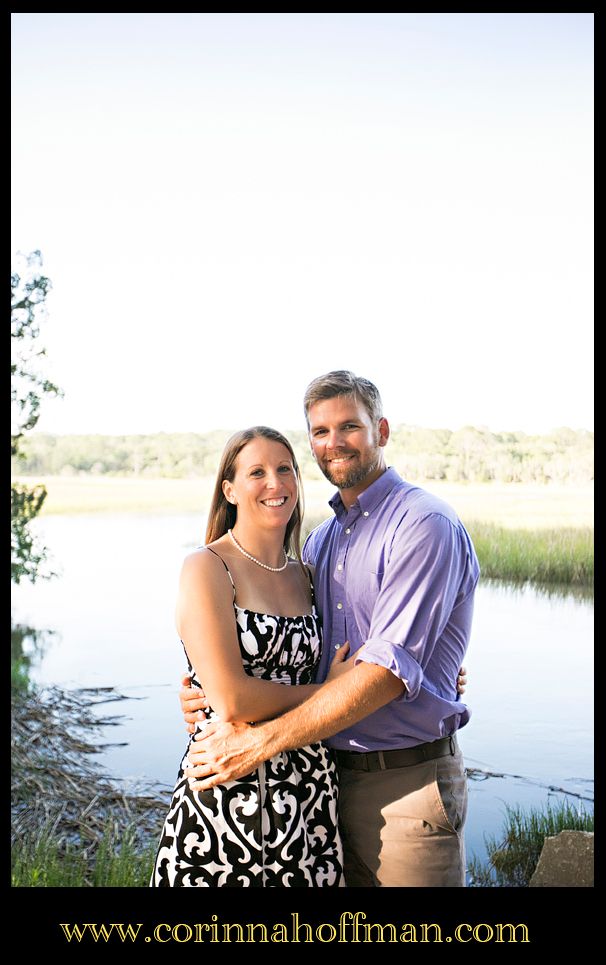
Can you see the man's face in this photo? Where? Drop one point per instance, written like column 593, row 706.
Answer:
column 346, row 444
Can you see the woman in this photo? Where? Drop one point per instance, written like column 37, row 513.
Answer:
column 247, row 618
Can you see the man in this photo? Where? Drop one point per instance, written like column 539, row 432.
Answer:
column 395, row 577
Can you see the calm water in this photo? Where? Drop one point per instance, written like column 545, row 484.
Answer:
column 530, row 664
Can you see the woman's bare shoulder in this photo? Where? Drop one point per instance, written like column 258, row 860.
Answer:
column 204, row 585
column 203, row 562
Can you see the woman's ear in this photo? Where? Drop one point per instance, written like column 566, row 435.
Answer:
column 228, row 492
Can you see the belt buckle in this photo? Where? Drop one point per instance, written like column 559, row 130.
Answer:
column 453, row 746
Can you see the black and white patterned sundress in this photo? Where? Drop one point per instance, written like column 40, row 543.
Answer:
column 276, row 827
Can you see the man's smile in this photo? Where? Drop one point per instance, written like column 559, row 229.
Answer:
column 339, row 460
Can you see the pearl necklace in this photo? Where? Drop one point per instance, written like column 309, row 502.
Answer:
column 272, row 569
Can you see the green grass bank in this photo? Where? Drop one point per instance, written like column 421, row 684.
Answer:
column 513, row 857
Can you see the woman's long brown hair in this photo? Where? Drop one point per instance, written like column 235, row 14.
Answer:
column 222, row 515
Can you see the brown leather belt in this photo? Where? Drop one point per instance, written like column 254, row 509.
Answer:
column 404, row 757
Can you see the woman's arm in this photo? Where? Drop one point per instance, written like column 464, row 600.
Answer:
column 207, row 627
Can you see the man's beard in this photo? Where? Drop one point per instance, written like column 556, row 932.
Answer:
column 355, row 475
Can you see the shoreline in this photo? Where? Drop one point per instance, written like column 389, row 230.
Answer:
column 511, row 505
column 71, row 822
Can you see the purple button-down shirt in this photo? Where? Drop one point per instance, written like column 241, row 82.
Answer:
column 396, row 574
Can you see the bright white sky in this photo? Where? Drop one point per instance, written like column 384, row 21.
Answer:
column 231, row 204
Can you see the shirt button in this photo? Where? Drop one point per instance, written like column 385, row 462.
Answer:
column 348, row 531
column 339, row 566
column 365, row 514
column 339, row 606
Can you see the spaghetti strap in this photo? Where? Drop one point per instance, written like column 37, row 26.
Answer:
column 227, row 568
column 311, row 584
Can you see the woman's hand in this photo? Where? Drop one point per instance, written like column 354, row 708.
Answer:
column 462, row 681
column 193, row 702
column 340, row 662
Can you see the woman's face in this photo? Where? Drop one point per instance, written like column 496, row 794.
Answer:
column 264, row 487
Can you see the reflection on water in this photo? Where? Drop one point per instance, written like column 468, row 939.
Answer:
column 28, row 646
column 530, row 662
column 558, row 591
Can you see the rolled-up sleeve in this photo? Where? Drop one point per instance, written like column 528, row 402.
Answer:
column 418, row 591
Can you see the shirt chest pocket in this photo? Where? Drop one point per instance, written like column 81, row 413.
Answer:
column 363, row 593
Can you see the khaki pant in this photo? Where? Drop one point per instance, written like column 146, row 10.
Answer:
column 403, row 827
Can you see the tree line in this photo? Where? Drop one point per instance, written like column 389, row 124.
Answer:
column 469, row 454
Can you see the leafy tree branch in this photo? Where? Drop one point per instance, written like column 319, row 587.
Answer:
column 29, row 386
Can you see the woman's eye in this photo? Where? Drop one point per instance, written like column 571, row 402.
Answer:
column 284, row 469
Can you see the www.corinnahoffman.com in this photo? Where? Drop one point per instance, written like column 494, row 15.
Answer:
column 351, row 927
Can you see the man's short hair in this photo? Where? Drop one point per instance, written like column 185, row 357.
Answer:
column 344, row 382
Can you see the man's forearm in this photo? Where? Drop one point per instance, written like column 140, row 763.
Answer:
column 226, row 751
column 334, row 707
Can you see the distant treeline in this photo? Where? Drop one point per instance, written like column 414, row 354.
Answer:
column 469, row 454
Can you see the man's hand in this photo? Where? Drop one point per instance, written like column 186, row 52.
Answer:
column 223, row 752
column 193, row 702
column 340, row 664
column 462, row 680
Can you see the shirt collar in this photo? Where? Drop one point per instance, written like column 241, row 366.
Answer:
column 371, row 497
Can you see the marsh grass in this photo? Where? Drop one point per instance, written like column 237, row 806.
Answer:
column 513, row 505
column 47, row 859
column 544, row 556
column 562, row 556
column 117, row 494
column 513, row 857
